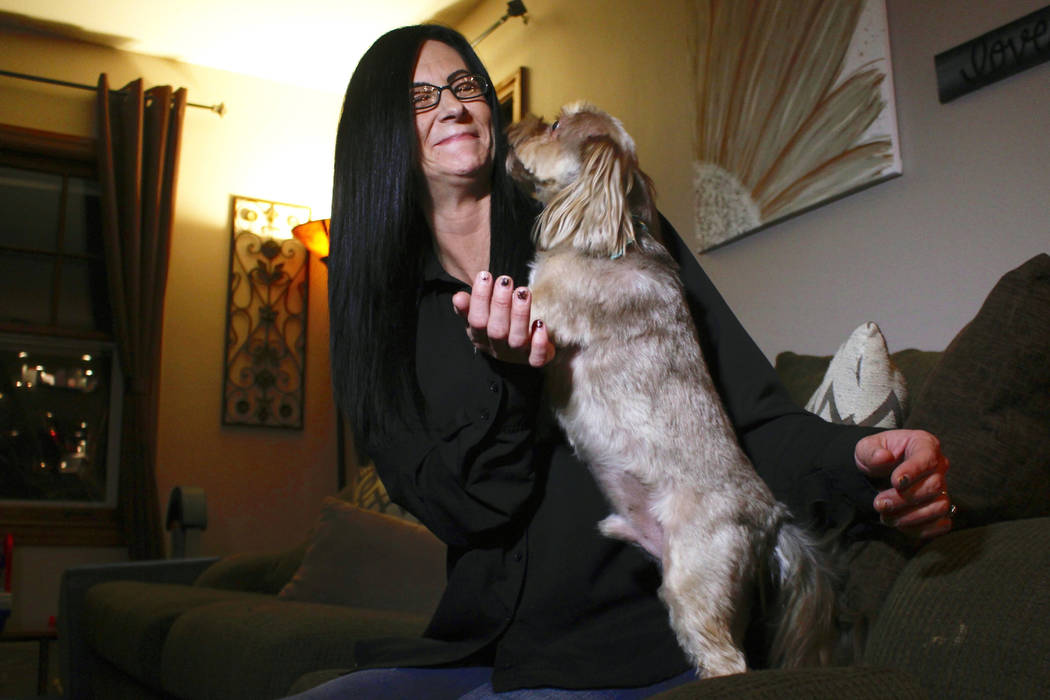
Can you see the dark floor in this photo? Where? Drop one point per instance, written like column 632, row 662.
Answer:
column 18, row 674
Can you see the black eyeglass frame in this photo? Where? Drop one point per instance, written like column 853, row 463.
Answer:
column 451, row 87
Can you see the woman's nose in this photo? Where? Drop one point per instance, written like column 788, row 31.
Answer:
column 448, row 105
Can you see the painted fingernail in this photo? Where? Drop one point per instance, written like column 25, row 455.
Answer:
column 484, row 277
column 523, row 294
column 903, row 483
column 504, row 281
column 536, row 324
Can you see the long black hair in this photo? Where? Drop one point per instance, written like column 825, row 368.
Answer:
column 379, row 235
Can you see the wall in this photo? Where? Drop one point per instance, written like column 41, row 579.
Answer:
column 917, row 254
column 263, row 486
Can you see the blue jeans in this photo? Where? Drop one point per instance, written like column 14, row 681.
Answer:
column 468, row 683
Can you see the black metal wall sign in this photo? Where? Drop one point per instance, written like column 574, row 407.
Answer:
column 1000, row 53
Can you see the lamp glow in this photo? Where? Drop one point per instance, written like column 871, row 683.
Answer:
column 314, row 235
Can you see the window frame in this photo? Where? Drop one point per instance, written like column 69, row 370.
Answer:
column 60, row 524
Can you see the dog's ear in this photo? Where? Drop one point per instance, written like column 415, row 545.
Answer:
column 593, row 211
column 642, row 200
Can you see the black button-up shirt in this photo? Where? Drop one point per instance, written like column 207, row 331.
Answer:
column 533, row 588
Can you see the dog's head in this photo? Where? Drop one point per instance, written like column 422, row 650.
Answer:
column 583, row 167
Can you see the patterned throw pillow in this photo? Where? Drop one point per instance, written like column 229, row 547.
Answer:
column 862, row 385
column 370, row 494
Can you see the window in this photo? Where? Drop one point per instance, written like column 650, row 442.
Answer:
column 52, row 269
column 60, row 383
column 58, row 420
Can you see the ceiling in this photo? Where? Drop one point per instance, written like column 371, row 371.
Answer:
column 310, row 43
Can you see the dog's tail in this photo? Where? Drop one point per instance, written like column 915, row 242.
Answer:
column 806, row 599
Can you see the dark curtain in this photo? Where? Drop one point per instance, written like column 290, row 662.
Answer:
column 138, row 154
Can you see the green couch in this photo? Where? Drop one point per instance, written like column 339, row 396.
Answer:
column 964, row 616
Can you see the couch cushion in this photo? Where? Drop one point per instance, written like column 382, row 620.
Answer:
column 255, row 572
column 803, row 684
column 958, row 622
column 369, row 560
column 862, row 386
column 801, row 374
column 255, row 648
column 127, row 622
column 988, row 400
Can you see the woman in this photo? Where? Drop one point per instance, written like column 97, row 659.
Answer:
column 454, row 422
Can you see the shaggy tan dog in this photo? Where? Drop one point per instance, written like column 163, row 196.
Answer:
column 634, row 396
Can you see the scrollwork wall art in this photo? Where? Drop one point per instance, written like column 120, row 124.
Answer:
column 264, row 369
column 795, row 108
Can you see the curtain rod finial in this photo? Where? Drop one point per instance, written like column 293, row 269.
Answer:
column 219, row 109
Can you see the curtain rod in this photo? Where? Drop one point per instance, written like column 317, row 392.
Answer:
column 219, row 109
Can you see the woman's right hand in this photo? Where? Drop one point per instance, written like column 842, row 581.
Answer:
column 498, row 321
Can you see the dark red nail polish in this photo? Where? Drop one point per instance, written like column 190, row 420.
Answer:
column 537, row 324
column 504, row 281
column 523, row 294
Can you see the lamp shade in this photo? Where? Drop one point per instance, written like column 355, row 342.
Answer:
column 314, row 235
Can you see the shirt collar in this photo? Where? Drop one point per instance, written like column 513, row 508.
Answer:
column 434, row 275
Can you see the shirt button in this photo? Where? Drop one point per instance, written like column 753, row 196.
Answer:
column 485, row 414
column 493, row 387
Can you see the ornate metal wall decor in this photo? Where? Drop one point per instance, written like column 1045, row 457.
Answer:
column 264, row 369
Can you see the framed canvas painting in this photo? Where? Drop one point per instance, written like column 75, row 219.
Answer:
column 794, row 108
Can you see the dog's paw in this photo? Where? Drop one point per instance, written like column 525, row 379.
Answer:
column 618, row 527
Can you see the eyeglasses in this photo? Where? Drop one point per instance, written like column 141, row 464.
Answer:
column 467, row 86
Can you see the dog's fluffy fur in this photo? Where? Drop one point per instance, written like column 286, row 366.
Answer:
column 632, row 392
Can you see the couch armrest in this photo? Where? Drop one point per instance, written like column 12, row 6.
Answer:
column 968, row 615
column 76, row 660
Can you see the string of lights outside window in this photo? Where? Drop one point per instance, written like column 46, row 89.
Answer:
column 46, row 397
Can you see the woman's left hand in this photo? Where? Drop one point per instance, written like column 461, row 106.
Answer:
column 918, row 503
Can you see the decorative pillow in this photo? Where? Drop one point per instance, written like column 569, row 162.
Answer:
column 988, row 401
column 862, row 385
column 802, row 374
column 369, row 560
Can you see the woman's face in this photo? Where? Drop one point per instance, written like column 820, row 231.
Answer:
column 455, row 138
